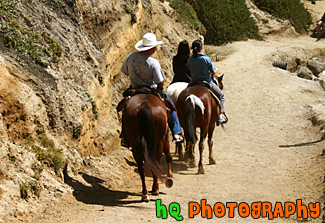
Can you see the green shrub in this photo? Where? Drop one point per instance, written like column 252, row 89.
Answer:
column 47, row 154
column 52, row 157
column 38, row 168
column 293, row 10
column 77, row 131
column 187, row 14
column 225, row 20
column 28, row 187
column 24, row 188
column 45, row 141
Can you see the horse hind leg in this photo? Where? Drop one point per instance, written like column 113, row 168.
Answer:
column 189, row 156
column 210, row 143
column 168, row 156
column 145, row 196
column 179, row 151
column 160, row 149
column 211, row 159
column 201, row 148
column 155, row 186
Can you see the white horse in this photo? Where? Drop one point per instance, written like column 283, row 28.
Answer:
column 175, row 89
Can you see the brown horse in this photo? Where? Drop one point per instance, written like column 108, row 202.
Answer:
column 145, row 125
column 196, row 108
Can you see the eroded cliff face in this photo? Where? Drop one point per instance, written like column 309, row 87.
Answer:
column 116, row 26
column 68, row 100
column 74, row 99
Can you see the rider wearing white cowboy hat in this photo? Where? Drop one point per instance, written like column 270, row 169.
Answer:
column 149, row 41
column 145, row 71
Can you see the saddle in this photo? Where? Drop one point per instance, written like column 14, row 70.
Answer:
column 200, row 83
column 128, row 93
column 143, row 90
column 207, row 85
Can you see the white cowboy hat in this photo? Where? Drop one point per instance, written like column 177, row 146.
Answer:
column 149, row 41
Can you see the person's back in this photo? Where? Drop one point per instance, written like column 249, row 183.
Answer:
column 201, row 68
column 144, row 71
column 181, row 72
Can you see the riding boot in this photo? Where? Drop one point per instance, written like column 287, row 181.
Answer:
column 223, row 119
column 124, row 140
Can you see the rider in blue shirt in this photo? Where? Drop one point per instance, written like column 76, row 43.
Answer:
column 202, row 69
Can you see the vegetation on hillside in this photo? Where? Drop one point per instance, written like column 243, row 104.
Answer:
column 17, row 32
column 224, row 21
column 187, row 14
column 46, row 153
column 293, row 10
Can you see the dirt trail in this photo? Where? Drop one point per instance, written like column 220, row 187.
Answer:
column 268, row 152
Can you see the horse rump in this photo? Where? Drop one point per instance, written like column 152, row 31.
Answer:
column 149, row 141
column 189, row 118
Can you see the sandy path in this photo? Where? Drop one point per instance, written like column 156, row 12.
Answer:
column 258, row 156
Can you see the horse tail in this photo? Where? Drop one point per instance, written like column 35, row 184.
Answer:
column 149, row 142
column 189, row 116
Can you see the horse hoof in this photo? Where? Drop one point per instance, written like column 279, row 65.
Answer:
column 187, row 157
column 155, row 193
column 192, row 164
column 169, row 182
column 181, row 157
column 145, row 198
column 201, row 171
column 212, row 161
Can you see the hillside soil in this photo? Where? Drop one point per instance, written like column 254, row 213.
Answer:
column 269, row 151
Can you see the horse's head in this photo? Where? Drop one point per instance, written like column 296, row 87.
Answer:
column 218, row 81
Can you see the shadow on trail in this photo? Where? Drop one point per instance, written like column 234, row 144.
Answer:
column 97, row 193
column 177, row 165
column 302, row 144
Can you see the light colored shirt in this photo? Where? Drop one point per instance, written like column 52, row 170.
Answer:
column 143, row 70
column 201, row 68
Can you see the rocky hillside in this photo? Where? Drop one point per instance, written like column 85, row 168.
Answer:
column 59, row 106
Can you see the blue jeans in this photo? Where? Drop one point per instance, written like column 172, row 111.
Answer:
column 217, row 91
column 173, row 122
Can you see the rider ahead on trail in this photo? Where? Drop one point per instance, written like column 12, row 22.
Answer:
column 321, row 23
column 145, row 71
column 202, row 69
column 181, row 72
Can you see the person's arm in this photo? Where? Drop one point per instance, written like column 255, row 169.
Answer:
column 215, row 71
column 124, row 68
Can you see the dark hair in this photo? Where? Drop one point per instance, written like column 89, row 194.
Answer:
column 196, row 47
column 183, row 51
